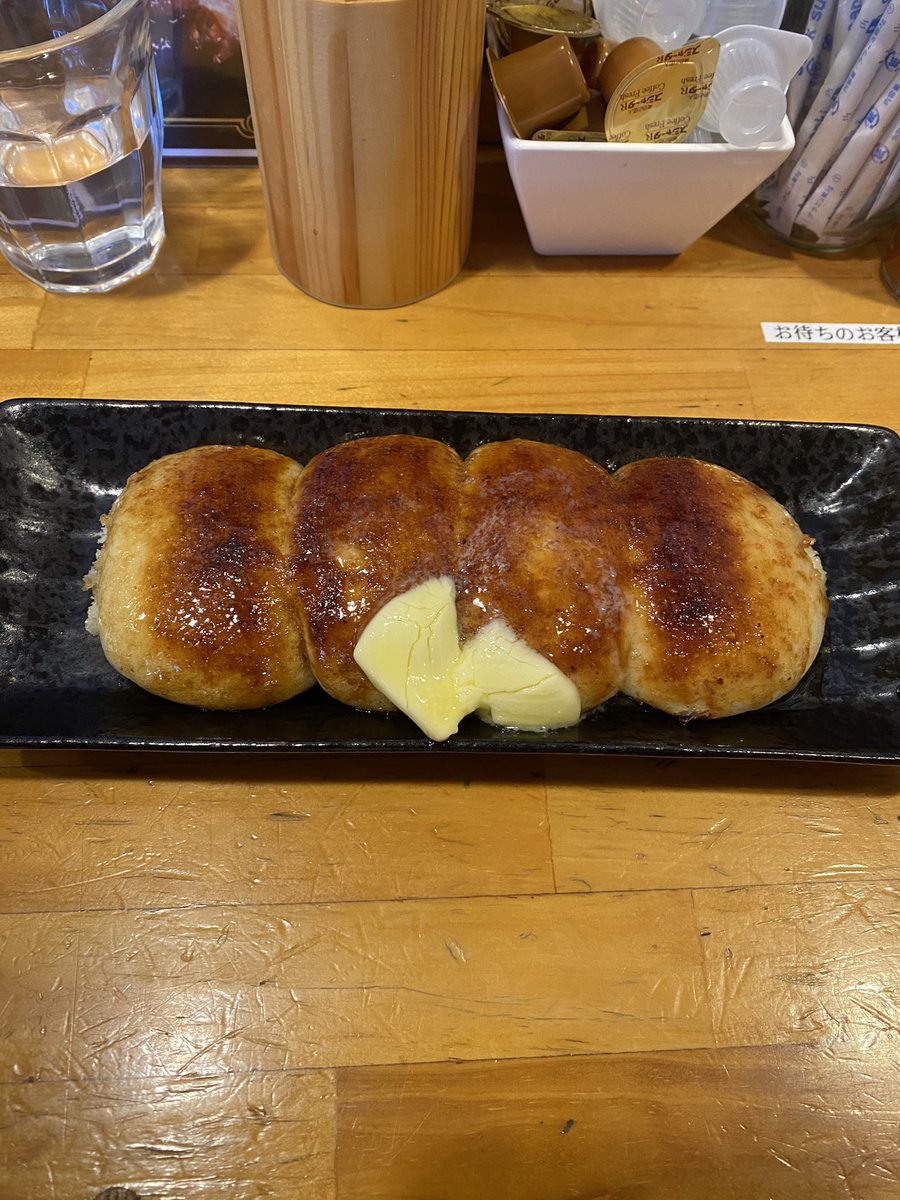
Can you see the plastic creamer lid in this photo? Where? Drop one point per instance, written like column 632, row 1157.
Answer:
column 747, row 103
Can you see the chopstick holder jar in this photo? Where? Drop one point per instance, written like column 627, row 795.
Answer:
column 365, row 114
column 840, row 186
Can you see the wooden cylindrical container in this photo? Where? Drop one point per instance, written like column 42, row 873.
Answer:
column 365, row 114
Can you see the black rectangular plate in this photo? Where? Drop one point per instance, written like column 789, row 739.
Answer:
column 62, row 463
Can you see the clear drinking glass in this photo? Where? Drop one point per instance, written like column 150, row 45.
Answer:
column 80, row 142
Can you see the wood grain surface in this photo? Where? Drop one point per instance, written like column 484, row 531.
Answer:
column 470, row 977
column 365, row 116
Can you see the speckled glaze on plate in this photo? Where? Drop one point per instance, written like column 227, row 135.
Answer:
column 62, row 463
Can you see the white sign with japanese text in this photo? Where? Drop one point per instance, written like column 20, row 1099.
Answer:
column 794, row 333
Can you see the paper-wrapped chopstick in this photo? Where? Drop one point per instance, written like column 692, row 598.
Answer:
column 844, row 105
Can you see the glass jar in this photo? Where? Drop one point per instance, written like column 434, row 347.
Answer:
column 830, row 241
column 840, row 185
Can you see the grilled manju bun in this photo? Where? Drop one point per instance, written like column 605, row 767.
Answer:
column 193, row 591
column 527, row 532
column 233, row 578
column 725, row 597
column 374, row 518
column 542, row 544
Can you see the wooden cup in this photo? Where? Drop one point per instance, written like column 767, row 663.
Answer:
column 365, row 114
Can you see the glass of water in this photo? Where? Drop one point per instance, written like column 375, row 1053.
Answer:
column 80, row 142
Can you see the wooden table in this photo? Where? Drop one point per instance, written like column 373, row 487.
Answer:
column 451, row 978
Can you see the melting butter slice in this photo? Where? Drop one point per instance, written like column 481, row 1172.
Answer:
column 516, row 687
column 410, row 651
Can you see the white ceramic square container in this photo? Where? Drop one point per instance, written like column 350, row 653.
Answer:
column 612, row 198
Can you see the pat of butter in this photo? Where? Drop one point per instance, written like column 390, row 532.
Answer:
column 518, row 687
column 410, row 651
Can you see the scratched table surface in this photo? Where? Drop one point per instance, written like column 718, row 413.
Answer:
column 451, row 977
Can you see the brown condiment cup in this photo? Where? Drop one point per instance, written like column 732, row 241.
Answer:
column 539, row 87
column 590, row 118
column 658, row 98
column 624, row 58
column 518, row 25
column 592, row 56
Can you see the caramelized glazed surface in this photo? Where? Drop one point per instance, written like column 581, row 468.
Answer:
column 685, row 554
column 195, row 591
column 374, row 518
column 726, row 604
column 231, row 577
column 542, row 544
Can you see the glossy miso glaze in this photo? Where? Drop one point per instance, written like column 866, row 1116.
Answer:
column 725, row 603
column 194, row 585
column 542, row 549
column 374, row 517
